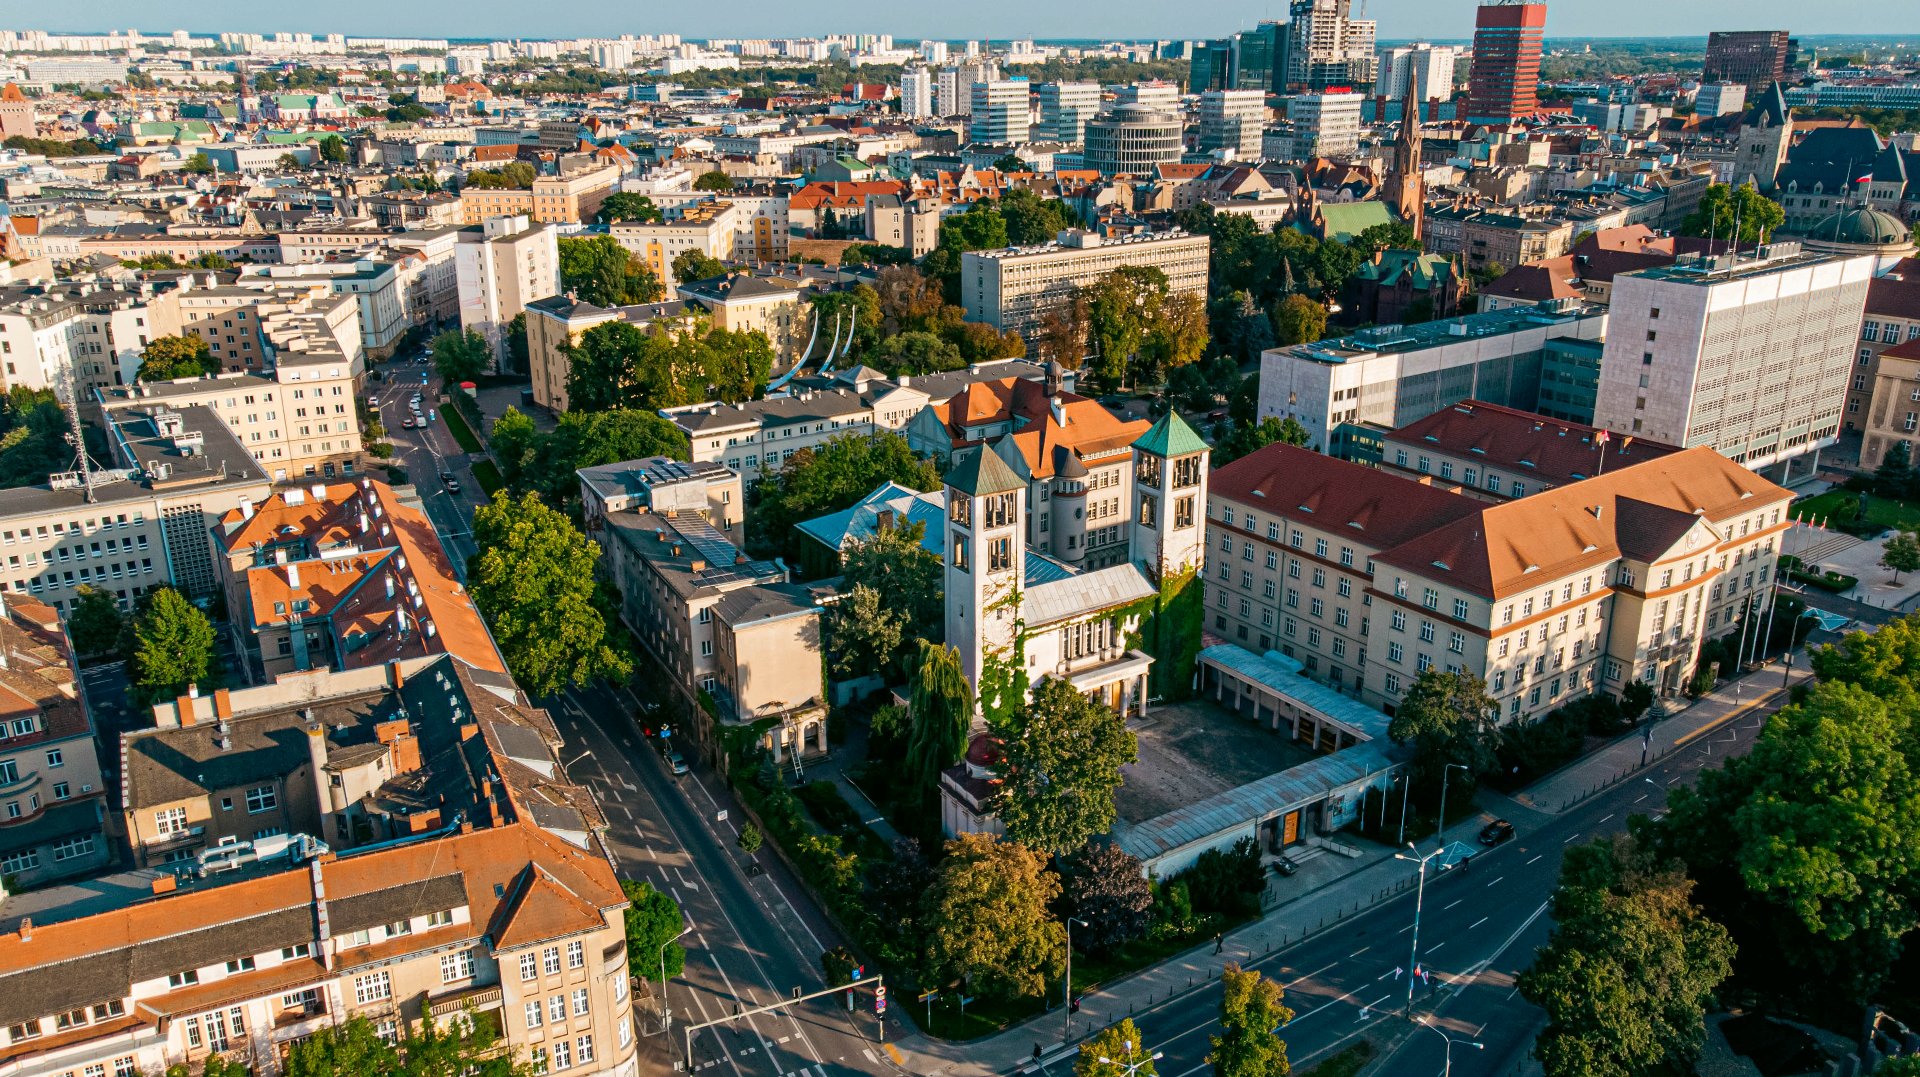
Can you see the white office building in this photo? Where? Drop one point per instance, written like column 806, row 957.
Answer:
column 1000, row 111
column 1324, row 124
column 1065, row 108
column 1231, row 121
column 916, row 93
column 1433, row 65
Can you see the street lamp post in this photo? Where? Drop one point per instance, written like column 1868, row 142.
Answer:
column 1130, row 1067
column 1406, row 794
column 1419, row 901
column 1440, row 828
column 1066, row 986
column 666, row 1006
column 1475, row 1044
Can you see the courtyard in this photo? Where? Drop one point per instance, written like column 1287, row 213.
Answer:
column 1193, row 750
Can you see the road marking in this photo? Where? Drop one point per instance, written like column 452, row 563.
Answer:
column 1496, row 882
column 1569, row 838
column 1435, row 948
column 1360, row 951
column 1308, row 976
column 1536, row 856
column 1477, row 923
column 1604, row 818
column 1641, row 797
column 871, row 1057
column 1456, row 901
column 894, row 1053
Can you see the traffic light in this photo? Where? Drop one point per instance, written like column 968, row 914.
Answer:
column 1074, row 1005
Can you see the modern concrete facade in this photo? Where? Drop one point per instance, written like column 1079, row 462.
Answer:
column 1749, row 355
column 1000, row 111
column 85, row 333
column 1325, row 124
column 1016, row 288
column 1065, row 108
column 1504, row 80
column 501, row 266
column 1231, row 122
column 1133, row 140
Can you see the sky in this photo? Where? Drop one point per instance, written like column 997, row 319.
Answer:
column 997, row 19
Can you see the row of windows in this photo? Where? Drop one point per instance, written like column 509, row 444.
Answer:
column 548, row 961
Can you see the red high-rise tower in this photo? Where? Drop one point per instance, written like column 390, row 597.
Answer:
column 1505, row 79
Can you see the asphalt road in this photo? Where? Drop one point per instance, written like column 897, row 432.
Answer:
column 425, row 453
column 753, row 939
column 1479, row 928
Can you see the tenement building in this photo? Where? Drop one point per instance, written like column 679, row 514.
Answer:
column 1368, row 578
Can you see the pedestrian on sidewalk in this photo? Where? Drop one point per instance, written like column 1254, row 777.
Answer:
column 1219, row 941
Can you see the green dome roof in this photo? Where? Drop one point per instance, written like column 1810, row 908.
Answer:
column 1862, row 226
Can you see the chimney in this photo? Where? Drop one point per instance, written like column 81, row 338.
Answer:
column 396, row 675
column 26, row 929
column 246, row 508
column 293, row 577
column 321, row 920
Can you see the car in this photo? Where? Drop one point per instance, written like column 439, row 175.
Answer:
column 407, row 423
column 1285, row 866
column 453, row 487
column 423, row 379
column 426, row 351
column 1496, row 832
column 446, row 476
column 676, row 763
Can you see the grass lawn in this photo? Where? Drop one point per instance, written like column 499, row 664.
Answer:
column 487, row 474
column 1346, row 1063
column 462, row 433
column 1837, row 508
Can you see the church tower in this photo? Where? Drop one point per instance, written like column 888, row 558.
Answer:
column 1170, row 498
column 1766, row 132
column 1406, row 189
column 986, row 551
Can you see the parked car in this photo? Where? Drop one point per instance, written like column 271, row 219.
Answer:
column 1285, row 866
column 676, row 763
column 1496, row 832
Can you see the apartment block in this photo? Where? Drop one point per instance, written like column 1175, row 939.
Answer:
column 1892, row 317
column 556, row 323
column 1016, row 288
column 54, row 795
column 1065, row 108
column 500, row 266
column 248, row 329
column 339, row 576
column 1748, row 354
column 1369, row 579
column 140, row 524
column 90, row 334
column 297, row 421
column 1324, row 124
column 708, row 227
column 1388, row 376
column 570, row 199
column 737, row 638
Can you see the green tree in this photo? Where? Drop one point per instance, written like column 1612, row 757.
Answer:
column 917, row 353
column 288, row 162
column 1631, row 966
column 692, row 264
column 684, row 361
column 96, row 623
column 941, row 711
column 1120, row 310
column 862, row 635
column 1449, row 719
column 533, row 579
column 1251, row 1009
column 211, row 260
column 1901, row 553
column 600, row 271
column 829, row 477
column 589, row 439
column 333, row 149
column 1032, row 219
column 714, row 180
column 980, row 228
column 988, row 922
column 183, row 356
column 457, row 1047
column 1115, row 1051
column 751, row 839
column 1299, row 320
column 908, row 576
column 514, row 175
column 1059, row 771
column 1894, row 476
column 626, row 206
column 1758, row 215
column 172, row 646
column 653, row 922
column 34, row 436
column 461, row 355
column 513, row 442
column 199, row 164
column 518, row 355
column 1106, row 889
column 1247, row 440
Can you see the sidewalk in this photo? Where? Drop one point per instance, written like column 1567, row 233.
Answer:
column 1328, row 906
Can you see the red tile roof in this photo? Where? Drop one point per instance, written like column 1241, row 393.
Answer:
column 1549, row 451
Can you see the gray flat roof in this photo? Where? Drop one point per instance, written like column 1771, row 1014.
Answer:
column 1394, row 339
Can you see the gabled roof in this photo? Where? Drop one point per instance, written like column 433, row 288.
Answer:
column 978, row 472
column 1171, row 437
column 1542, row 450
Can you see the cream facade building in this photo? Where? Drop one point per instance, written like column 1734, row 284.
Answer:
column 90, row 333
column 711, row 228
column 570, row 199
column 501, row 266
column 1016, row 288
column 1369, row 579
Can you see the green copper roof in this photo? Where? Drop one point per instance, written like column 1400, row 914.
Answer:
column 981, row 472
column 1171, row 437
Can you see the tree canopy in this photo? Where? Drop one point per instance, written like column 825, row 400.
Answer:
column 1449, row 719
column 1126, row 1053
column 892, row 596
column 617, row 364
column 534, row 580
column 514, row 175
column 1059, row 771
column 988, row 922
column 96, row 623
column 1631, row 966
column 172, row 646
column 1251, row 1008
column 941, row 712
column 691, row 265
column 461, row 355
column 457, row 1047
column 714, row 180
column 1106, row 888
column 35, row 437
column 183, row 356
column 1140, row 328
column 1758, row 215
column 829, row 477
column 653, row 921
column 602, row 272
column 626, row 206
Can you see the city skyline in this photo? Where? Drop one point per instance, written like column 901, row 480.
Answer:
column 998, row 19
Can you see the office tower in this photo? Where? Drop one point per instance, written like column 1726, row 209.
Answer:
column 1254, row 53
column 1719, row 99
column 1212, row 64
column 1232, row 120
column 1746, row 354
column 1432, row 64
column 953, row 92
column 1132, row 139
column 1752, row 58
column 916, row 93
column 1325, row 124
column 1325, row 47
column 1164, row 96
column 999, row 111
column 1065, row 108
column 1504, row 83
